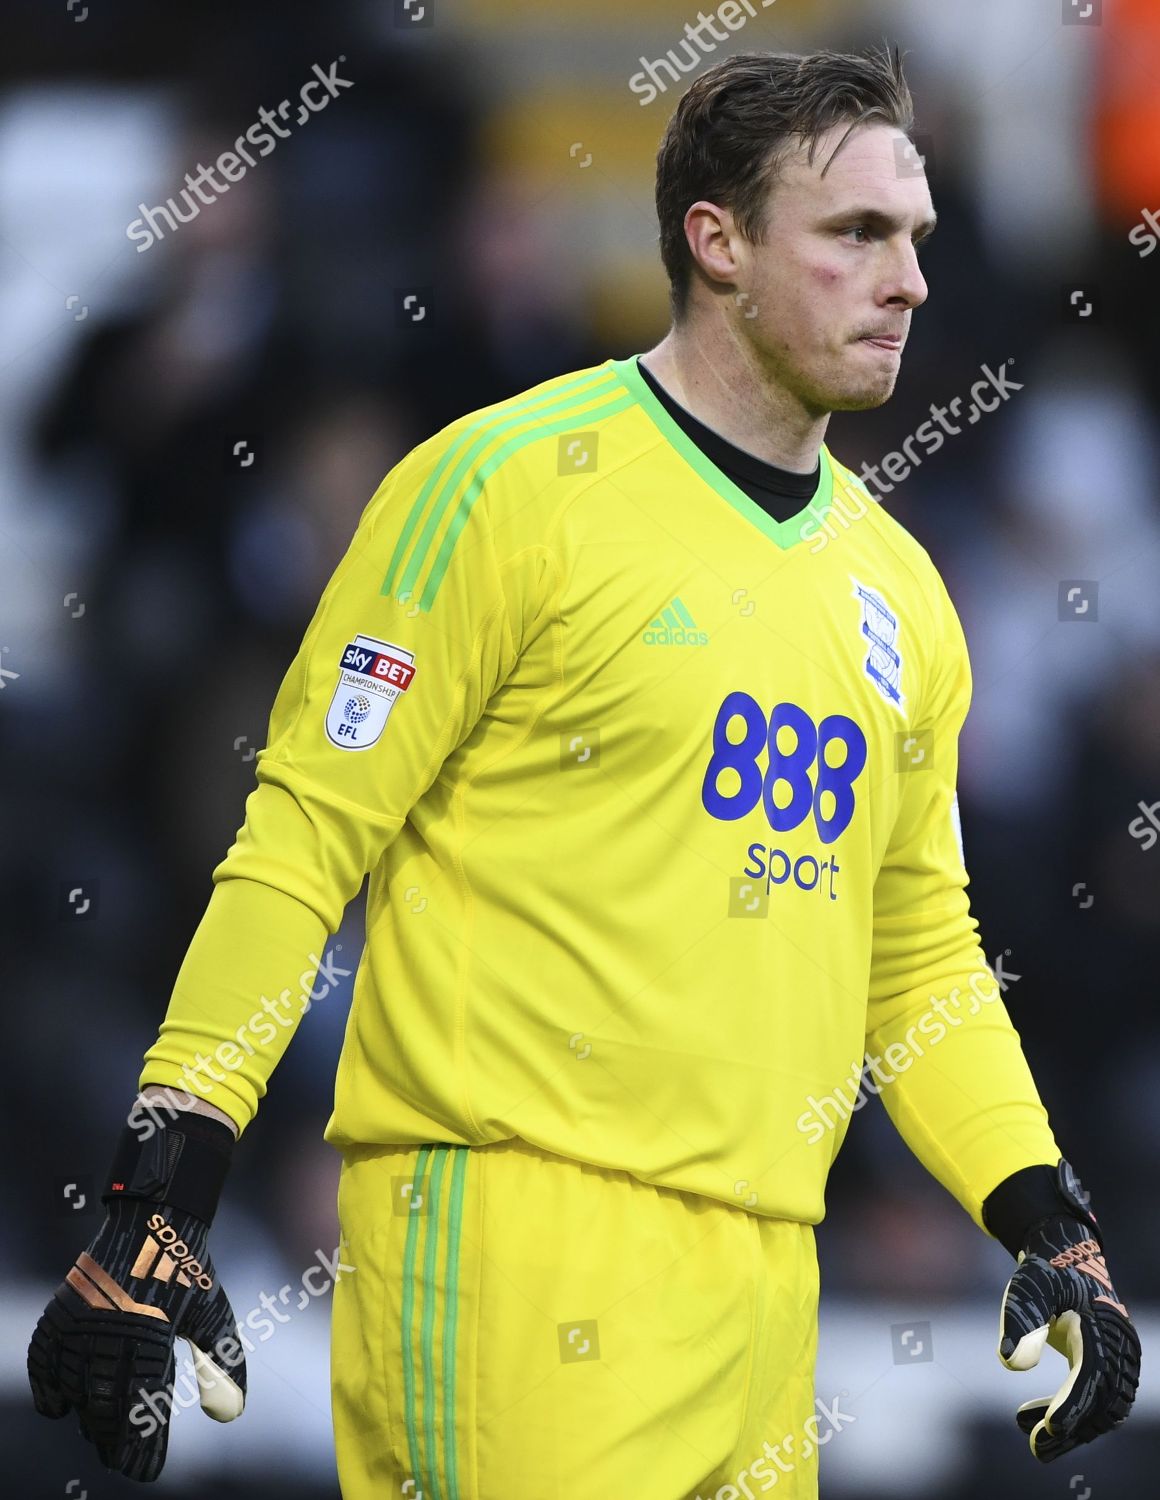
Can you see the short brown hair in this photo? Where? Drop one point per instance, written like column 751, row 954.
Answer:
column 738, row 121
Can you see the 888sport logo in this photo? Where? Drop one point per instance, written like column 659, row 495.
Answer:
column 809, row 772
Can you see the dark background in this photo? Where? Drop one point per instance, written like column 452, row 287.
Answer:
column 153, row 590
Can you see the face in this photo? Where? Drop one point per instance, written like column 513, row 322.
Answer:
column 824, row 302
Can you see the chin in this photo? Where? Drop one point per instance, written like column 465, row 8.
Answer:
column 862, row 398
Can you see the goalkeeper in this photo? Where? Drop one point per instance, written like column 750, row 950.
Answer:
column 652, row 767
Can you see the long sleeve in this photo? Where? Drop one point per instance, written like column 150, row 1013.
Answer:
column 248, row 977
column 385, row 686
column 953, row 1076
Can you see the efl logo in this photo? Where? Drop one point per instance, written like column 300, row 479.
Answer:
column 371, row 675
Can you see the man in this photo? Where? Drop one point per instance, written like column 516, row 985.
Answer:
column 653, row 773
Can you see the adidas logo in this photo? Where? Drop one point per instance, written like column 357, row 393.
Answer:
column 164, row 1254
column 674, row 626
column 1089, row 1258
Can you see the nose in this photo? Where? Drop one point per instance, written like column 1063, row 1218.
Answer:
column 907, row 285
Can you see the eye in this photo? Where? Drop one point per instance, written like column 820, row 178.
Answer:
column 859, row 229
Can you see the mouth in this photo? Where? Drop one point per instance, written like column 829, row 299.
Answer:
column 889, row 341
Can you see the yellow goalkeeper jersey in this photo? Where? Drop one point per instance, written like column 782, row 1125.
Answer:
column 656, row 796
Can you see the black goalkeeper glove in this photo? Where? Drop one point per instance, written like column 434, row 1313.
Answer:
column 104, row 1345
column 1062, row 1295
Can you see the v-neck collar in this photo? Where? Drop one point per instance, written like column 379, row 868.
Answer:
column 784, row 533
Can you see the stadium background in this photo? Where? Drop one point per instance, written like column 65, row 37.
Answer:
column 493, row 161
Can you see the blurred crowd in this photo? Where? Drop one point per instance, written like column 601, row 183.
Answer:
column 186, row 462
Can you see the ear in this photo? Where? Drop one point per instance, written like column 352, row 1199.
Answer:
column 714, row 241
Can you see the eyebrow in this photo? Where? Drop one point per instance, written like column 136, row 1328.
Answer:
column 875, row 218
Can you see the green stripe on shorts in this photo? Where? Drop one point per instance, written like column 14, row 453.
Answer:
column 427, row 1463
column 409, row 1253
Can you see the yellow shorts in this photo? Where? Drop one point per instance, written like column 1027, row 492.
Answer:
column 520, row 1326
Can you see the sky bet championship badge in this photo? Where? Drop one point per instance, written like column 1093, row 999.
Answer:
column 371, row 675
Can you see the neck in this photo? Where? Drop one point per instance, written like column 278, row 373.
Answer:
column 720, row 381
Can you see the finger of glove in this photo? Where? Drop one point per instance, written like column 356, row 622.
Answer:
column 1120, row 1358
column 1053, row 1429
column 140, row 1456
column 1047, row 1446
column 141, row 1452
column 1044, row 1445
column 1118, row 1375
column 44, row 1370
column 1031, row 1413
column 1030, row 1301
column 115, row 1370
column 1077, row 1335
column 219, row 1360
column 128, row 1398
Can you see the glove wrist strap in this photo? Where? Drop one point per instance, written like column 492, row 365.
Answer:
column 183, row 1164
column 1026, row 1199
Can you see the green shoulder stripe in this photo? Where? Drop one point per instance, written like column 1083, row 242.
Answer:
column 486, row 470
column 493, row 415
column 436, row 495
